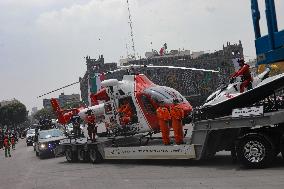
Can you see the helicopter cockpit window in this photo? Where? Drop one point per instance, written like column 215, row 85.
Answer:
column 162, row 93
column 147, row 104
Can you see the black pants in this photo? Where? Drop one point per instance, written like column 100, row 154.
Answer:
column 77, row 131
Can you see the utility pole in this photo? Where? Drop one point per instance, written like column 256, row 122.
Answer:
column 131, row 30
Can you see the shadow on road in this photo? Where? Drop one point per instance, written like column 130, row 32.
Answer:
column 219, row 162
column 223, row 162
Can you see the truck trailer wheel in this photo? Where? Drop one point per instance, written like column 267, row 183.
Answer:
column 70, row 155
column 255, row 151
column 83, row 155
column 282, row 146
column 95, row 156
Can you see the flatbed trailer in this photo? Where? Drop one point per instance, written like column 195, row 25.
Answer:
column 253, row 140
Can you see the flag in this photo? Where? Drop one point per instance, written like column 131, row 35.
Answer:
column 94, row 85
column 95, row 82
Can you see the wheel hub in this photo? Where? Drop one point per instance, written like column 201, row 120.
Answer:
column 254, row 151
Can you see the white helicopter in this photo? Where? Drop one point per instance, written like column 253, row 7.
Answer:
column 142, row 96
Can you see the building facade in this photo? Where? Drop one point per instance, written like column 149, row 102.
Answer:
column 64, row 100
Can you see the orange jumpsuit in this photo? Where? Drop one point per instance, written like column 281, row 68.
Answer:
column 92, row 129
column 177, row 116
column 7, row 145
column 126, row 113
column 164, row 116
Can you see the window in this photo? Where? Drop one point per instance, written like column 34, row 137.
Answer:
column 147, row 104
column 162, row 93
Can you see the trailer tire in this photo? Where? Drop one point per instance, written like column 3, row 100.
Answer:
column 282, row 146
column 255, row 151
column 70, row 155
column 95, row 156
column 83, row 155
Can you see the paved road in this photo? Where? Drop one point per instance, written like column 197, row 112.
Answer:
column 25, row 171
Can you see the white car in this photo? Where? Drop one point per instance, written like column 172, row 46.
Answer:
column 47, row 141
column 30, row 137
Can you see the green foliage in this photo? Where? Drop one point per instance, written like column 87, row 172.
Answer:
column 44, row 113
column 72, row 105
column 13, row 114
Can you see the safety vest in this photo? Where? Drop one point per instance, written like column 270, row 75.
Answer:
column 90, row 119
column 177, row 112
column 244, row 72
column 6, row 143
column 163, row 113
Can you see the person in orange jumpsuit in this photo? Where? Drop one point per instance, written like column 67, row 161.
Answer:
column 92, row 128
column 7, row 146
column 126, row 112
column 164, row 117
column 177, row 115
column 244, row 73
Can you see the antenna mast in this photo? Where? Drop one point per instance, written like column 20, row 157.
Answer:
column 131, row 30
column 127, row 52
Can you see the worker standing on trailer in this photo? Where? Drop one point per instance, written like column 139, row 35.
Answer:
column 92, row 128
column 177, row 115
column 245, row 75
column 164, row 118
column 76, row 126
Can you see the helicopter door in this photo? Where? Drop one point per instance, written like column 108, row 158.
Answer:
column 149, row 110
column 126, row 111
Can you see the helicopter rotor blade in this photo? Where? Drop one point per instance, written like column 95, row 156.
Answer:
column 58, row 89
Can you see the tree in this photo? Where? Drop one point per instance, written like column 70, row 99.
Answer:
column 44, row 113
column 71, row 105
column 13, row 114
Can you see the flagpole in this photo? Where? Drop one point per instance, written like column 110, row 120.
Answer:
column 89, row 91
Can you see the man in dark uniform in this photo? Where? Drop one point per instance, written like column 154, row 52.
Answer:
column 76, row 126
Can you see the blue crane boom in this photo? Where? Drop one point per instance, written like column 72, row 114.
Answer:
column 269, row 48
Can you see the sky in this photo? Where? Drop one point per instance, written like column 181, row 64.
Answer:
column 43, row 42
